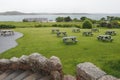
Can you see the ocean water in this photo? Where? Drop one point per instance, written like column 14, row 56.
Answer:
column 53, row 17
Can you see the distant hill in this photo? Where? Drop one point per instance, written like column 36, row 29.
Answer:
column 21, row 13
column 12, row 13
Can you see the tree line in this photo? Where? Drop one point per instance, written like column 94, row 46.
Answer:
column 108, row 22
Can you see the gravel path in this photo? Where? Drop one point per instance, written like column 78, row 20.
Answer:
column 9, row 42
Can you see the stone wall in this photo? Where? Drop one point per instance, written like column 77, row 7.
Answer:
column 53, row 68
column 35, row 62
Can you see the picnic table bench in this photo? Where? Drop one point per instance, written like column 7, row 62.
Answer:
column 95, row 30
column 107, row 38
column 76, row 30
column 6, row 32
column 70, row 39
column 55, row 30
column 112, row 33
column 60, row 34
column 89, row 33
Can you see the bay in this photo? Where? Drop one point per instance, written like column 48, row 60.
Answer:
column 53, row 17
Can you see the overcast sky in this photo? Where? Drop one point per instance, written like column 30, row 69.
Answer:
column 59, row 6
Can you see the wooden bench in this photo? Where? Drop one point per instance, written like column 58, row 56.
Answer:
column 89, row 33
column 107, row 38
column 76, row 30
column 70, row 39
column 6, row 32
column 61, row 34
column 112, row 33
column 55, row 30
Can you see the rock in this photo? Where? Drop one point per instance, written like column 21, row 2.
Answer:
column 4, row 61
column 14, row 63
column 35, row 62
column 69, row 77
column 24, row 59
column 4, row 64
column 54, row 63
column 38, row 62
column 14, row 60
column 24, row 63
column 88, row 71
column 55, row 67
column 108, row 77
column 56, row 75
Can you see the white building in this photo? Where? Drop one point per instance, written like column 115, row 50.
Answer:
column 35, row 19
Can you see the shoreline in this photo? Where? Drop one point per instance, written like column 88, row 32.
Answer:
column 9, row 42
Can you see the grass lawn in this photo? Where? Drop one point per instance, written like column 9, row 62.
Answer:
column 105, row 55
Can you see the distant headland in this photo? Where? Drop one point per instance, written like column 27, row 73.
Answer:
column 22, row 13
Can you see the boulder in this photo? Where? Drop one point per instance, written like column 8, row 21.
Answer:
column 88, row 71
column 24, row 63
column 4, row 61
column 4, row 64
column 14, row 60
column 69, row 77
column 55, row 75
column 108, row 77
column 24, row 59
column 38, row 62
column 54, row 63
column 14, row 63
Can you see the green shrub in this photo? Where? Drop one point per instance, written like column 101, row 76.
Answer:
column 87, row 24
column 3, row 26
column 54, row 25
column 39, row 25
column 60, row 19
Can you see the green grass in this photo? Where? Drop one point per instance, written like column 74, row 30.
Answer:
column 105, row 55
column 33, row 24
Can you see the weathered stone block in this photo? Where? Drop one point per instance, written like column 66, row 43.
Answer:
column 108, row 77
column 24, row 63
column 69, row 77
column 38, row 62
column 55, row 75
column 14, row 63
column 88, row 71
column 54, row 63
column 4, row 64
column 24, row 59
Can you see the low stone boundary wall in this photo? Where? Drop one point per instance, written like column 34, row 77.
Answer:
column 53, row 67
column 35, row 62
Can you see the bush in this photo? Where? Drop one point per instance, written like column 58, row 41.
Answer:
column 60, row 19
column 39, row 25
column 54, row 25
column 67, row 19
column 7, row 26
column 87, row 24
column 112, row 24
column 42, row 25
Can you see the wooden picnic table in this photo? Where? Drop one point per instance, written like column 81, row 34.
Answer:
column 110, row 32
column 76, row 30
column 70, row 39
column 88, row 33
column 107, row 38
column 6, row 32
column 55, row 30
column 60, row 34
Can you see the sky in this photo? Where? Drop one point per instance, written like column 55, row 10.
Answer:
column 61, row 6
